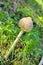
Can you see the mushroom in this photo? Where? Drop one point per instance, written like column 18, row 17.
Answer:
column 26, row 24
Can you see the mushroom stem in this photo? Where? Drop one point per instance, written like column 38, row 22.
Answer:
column 14, row 44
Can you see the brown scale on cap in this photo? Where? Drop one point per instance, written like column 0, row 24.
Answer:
column 26, row 24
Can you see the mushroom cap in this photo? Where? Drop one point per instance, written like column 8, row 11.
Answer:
column 26, row 24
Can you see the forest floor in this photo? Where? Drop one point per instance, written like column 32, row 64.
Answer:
column 29, row 49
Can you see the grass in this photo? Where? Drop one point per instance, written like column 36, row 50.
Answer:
column 29, row 49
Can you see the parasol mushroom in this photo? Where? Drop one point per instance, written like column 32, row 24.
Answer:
column 26, row 24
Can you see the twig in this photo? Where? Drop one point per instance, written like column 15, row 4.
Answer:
column 41, row 62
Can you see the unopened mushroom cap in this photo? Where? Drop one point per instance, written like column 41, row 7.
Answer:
column 26, row 24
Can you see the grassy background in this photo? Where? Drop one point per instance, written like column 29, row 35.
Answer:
column 29, row 49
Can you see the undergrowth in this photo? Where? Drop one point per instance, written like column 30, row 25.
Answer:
column 29, row 49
